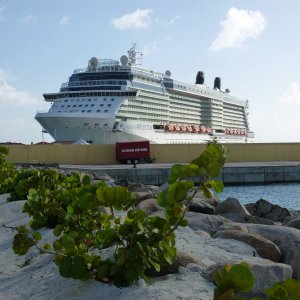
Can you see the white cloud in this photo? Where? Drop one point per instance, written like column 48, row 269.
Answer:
column 239, row 26
column 11, row 96
column 139, row 19
column 29, row 20
column 65, row 21
column 168, row 22
column 291, row 95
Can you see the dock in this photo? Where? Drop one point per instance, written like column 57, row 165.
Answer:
column 232, row 173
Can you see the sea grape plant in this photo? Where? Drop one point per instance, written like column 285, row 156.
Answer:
column 7, row 172
column 99, row 231
column 234, row 281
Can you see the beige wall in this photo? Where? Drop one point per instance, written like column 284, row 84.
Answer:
column 105, row 154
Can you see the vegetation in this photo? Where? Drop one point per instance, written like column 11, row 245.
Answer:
column 100, row 234
column 238, row 279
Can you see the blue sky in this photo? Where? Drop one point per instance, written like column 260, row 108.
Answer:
column 254, row 46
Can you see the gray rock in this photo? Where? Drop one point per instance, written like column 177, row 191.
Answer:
column 266, row 273
column 265, row 248
column 201, row 206
column 245, row 218
column 233, row 226
column 286, row 238
column 207, row 223
column 267, row 210
column 149, row 206
column 199, row 196
column 231, row 205
column 292, row 222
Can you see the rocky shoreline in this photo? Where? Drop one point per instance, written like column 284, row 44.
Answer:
column 264, row 235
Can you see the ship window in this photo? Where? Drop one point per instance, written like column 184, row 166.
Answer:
column 92, row 104
column 83, row 111
column 68, row 105
column 108, row 104
column 104, row 99
column 101, row 104
column 89, row 100
column 106, row 110
column 85, row 124
column 66, row 100
column 62, row 106
column 112, row 99
column 89, row 110
column 98, row 110
column 80, row 105
column 96, row 124
column 74, row 105
column 86, row 105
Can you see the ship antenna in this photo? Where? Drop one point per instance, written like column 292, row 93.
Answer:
column 134, row 56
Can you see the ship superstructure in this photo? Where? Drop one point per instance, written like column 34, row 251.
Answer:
column 113, row 101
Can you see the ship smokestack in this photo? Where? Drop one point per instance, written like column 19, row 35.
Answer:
column 217, row 83
column 200, row 78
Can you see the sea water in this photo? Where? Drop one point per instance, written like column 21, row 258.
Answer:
column 283, row 194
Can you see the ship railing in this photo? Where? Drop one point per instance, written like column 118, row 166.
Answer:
column 94, row 83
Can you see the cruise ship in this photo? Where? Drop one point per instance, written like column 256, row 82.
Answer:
column 112, row 101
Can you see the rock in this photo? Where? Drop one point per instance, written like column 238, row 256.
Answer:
column 233, row 226
column 207, row 223
column 264, row 209
column 265, row 248
column 231, row 205
column 294, row 222
column 181, row 260
column 245, row 218
column 266, row 274
column 145, row 192
column 286, row 238
column 201, row 206
column 214, row 201
column 149, row 206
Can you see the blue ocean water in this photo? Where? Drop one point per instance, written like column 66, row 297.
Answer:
column 283, row 194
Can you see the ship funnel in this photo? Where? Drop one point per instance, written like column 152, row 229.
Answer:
column 217, row 83
column 200, row 78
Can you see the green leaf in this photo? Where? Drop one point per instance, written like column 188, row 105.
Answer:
column 285, row 290
column 37, row 236
column 47, row 247
column 58, row 230
column 22, row 243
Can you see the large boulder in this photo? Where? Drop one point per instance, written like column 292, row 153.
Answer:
column 245, row 218
column 264, row 209
column 201, row 206
column 292, row 222
column 265, row 248
column 207, row 223
column 231, row 205
column 149, row 206
column 287, row 239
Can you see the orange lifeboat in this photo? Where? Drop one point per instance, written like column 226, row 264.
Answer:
column 183, row 128
column 203, row 129
column 196, row 128
column 189, row 128
column 231, row 131
column 238, row 132
column 177, row 128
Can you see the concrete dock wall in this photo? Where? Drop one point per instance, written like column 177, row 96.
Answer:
column 177, row 153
